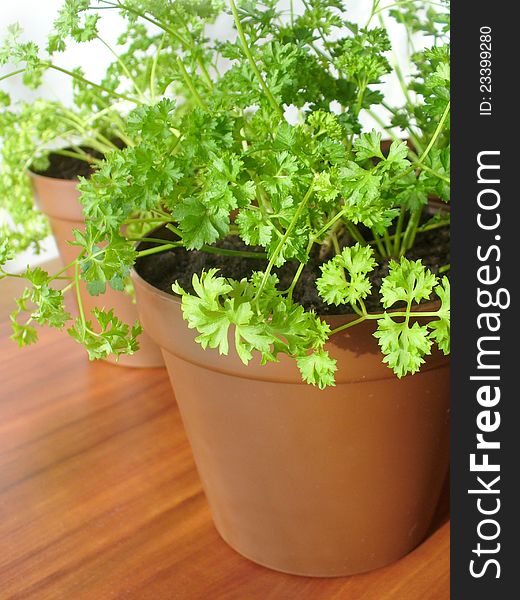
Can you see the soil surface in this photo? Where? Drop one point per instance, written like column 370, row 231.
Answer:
column 69, row 168
column 162, row 269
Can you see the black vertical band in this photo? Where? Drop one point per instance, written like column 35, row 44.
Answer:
column 485, row 266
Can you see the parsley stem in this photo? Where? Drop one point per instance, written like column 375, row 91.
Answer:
column 12, row 74
column 382, row 124
column 285, row 237
column 208, row 249
column 301, row 266
column 355, row 233
column 388, row 243
column 157, row 249
column 251, row 60
column 91, row 83
column 411, row 230
column 433, row 139
column 379, row 245
column 151, row 20
column 401, row 2
column 85, row 156
column 189, row 82
column 185, row 43
column 78, row 295
column 193, row 46
column 124, row 67
column 374, row 316
column 398, row 230
column 154, row 69
column 228, row 252
column 437, row 132
column 411, row 134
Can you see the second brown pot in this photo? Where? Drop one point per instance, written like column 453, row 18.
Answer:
column 310, row 482
column 58, row 199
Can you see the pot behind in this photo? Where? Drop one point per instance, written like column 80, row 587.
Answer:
column 58, row 199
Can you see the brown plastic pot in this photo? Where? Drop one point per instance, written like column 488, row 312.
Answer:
column 58, row 199
column 310, row 482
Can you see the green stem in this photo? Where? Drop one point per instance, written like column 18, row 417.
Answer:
column 78, row 295
column 355, row 233
column 411, row 230
column 413, row 137
column 433, row 139
column 200, row 62
column 151, row 20
column 208, row 249
column 398, row 231
column 157, row 249
column 91, row 83
column 401, row 2
column 85, row 156
column 153, row 70
column 382, row 124
column 251, row 60
column 12, row 74
column 388, row 243
column 299, row 270
column 419, row 230
column 370, row 317
column 185, row 43
column 227, row 252
column 188, row 81
column 124, row 67
column 379, row 245
column 285, row 237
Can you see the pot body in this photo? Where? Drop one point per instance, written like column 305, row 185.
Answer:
column 306, row 481
column 58, row 199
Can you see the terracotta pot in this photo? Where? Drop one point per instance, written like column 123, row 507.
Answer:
column 310, row 482
column 58, row 199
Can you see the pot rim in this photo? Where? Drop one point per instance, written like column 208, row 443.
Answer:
column 58, row 180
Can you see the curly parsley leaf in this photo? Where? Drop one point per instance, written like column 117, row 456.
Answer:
column 403, row 346
column 335, row 287
column 108, row 336
column 407, row 281
column 441, row 328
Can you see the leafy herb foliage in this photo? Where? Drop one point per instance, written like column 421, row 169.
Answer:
column 223, row 159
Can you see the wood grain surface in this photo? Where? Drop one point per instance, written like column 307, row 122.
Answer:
column 100, row 499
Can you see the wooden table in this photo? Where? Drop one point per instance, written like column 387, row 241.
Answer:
column 100, row 499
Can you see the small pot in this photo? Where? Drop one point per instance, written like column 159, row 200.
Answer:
column 306, row 481
column 58, row 199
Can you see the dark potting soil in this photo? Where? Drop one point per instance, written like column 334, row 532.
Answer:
column 68, row 167
column 162, row 269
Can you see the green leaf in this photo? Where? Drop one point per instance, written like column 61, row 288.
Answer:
column 368, row 145
column 254, row 230
column 441, row 328
column 199, row 224
column 335, row 287
column 397, row 156
column 222, row 307
column 317, row 368
column 361, row 190
column 5, row 253
column 403, row 346
column 109, row 336
column 407, row 281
